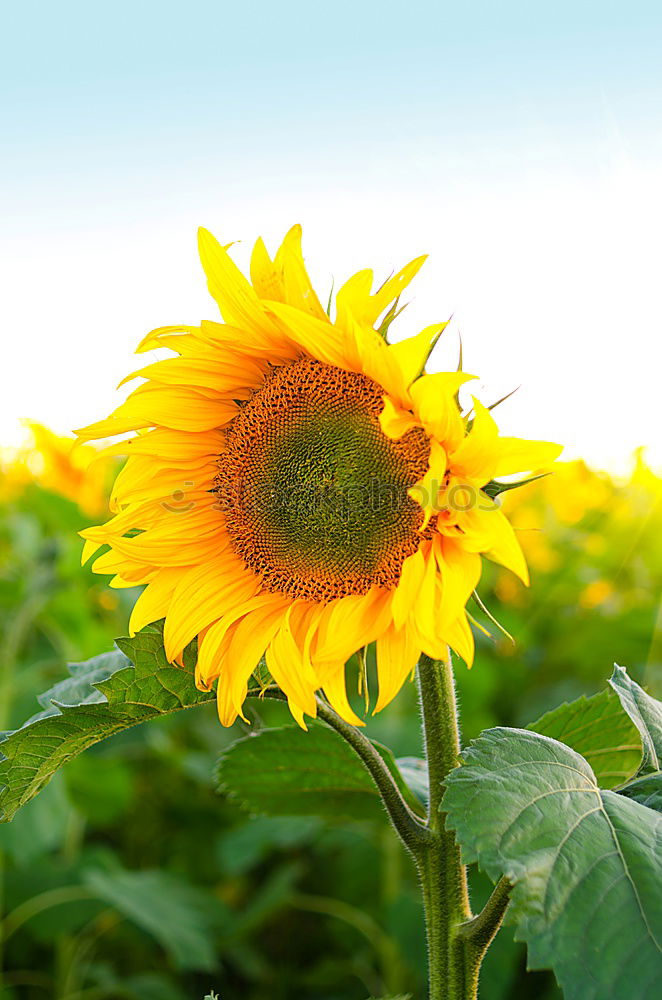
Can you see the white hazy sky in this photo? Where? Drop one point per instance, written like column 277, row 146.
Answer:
column 520, row 147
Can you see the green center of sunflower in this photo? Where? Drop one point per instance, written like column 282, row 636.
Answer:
column 314, row 493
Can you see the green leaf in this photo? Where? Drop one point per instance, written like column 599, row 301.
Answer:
column 288, row 772
column 102, row 696
column 645, row 712
column 39, row 829
column 184, row 920
column 647, row 790
column 414, row 771
column 401, row 996
column 600, row 731
column 241, row 848
column 585, row 864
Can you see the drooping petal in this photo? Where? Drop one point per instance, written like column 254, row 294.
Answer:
column 397, row 656
column 406, row 592
column 460, row 572
column 348, row 623
column 490, row 533
column 250, row 638
column 460, row 638
column 154, row 601
column 335, row 689
column 290, row 666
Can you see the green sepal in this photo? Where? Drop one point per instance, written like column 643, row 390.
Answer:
column 495, row 488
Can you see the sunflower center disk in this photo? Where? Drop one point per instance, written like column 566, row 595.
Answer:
column 314, row 494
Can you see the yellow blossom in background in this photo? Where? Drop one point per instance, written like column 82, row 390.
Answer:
column 597, row 518
column 58, row 464
column 596, row 593
column 298, row 488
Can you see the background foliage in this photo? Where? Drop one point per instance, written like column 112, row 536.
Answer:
column 130, row 877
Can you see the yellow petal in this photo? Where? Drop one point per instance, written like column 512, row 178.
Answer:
column 406, row 592
column 297, row 286
column 349, row 623
column 489, row 531
column 424, row 608
column 460, row 638
column 378, row 363
column 426, row 491
column 335, row 689
column 238, row 302
column 355, row 298
column 317, row 338
column 89, row 548
column 397, row 656
column 460, row 572
column 519, row 455
column 413, row 352
column 209, row 661
column 352, row 297
column 165, row 336
column 175, row 407
column 476, row 457
column 267, row 281
column 289, row 663
column 434, row 403
column 250, row 638
column 203, row 595
column 395, row 421
column 155, row 600
column 172, row 446
column 235, row 377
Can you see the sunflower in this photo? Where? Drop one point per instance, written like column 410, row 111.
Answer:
column 298, row 488
column 56, row 464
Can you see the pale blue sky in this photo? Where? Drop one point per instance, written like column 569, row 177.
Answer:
column 519, row 143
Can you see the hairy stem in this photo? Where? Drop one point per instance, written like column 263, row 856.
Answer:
column 443, row 876
column 457, row 941
column 412, row 832
column 478, row 933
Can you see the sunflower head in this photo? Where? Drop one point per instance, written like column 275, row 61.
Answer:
column 297, row 487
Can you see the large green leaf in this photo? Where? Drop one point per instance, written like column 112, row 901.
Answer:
column 287, row 772
column 600, row 731
column 647, row 790
column 586, row 865
column 102, row 696
column 646, row 714
column 185, row 920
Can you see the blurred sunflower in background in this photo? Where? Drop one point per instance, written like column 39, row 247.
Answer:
column 58, row 465
column 299, row 488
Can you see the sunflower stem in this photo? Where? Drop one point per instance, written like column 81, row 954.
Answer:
column 453, row 962
column 414, row 835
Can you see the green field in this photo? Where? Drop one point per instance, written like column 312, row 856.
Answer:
column 129, row 876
